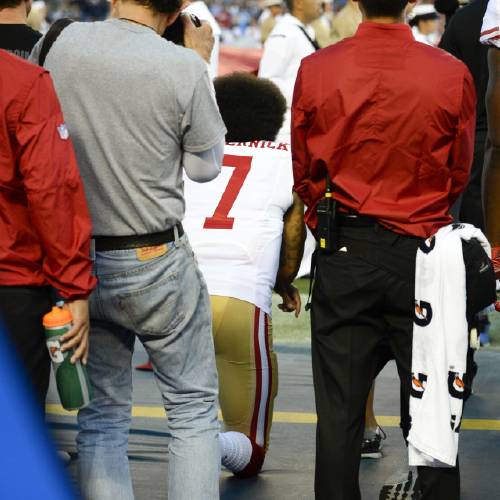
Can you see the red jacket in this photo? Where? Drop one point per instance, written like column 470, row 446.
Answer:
column 392, row 120
column 44, row 222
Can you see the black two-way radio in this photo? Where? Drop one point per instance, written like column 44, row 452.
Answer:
column 326, row 210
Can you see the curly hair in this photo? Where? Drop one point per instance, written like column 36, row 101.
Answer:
column 162, row 6
column 252, row 108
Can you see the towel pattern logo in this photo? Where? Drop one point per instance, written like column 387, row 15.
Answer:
column 427, row 246
column 423, row 313
column 456, row 386
column 418, row 385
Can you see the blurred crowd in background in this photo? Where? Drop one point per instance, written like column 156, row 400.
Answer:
column 247, row 23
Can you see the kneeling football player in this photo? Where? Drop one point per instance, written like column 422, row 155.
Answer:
column 247, row 232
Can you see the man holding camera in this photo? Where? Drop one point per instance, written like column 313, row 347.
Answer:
column 394, row 151
column 140, row 109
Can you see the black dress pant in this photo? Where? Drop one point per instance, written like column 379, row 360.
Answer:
column 362, row 315
column 22, row 310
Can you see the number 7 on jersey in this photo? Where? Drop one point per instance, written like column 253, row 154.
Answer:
column 220, row 219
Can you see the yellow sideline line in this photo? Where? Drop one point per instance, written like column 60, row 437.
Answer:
column 287, row 417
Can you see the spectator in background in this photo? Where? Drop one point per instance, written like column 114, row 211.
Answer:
column 271, row 15
column 92, row 10
column 15, row 35
column 423, row 20
column 449, row 7
column 291, row 40
column 37, row 17
column 346, row 22
column 45, row 226
column 322, row 26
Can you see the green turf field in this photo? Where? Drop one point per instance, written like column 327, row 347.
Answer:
column 287, row 329
column 296, row 331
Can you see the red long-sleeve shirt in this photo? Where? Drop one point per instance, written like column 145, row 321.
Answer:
column 392, row 120
column 44, row 222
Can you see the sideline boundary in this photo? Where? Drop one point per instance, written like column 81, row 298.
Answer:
column 286, row 417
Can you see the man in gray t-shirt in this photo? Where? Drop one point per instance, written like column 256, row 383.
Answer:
column 134, row 104
column 139, row 109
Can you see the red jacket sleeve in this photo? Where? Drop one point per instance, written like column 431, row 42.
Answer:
column 462, row 150
column 300, row 154
column 54, row 190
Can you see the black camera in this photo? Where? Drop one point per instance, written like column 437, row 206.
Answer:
column 175, row 32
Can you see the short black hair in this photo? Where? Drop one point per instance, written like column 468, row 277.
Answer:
column 383, row 8
column 162, row 6
column 289, row 5
column 9, row 4
column 252, row 108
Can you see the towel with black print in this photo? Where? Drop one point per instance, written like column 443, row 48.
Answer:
column 490, row 31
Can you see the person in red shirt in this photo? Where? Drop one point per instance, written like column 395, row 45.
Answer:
column 391, row 121
column 44, row 223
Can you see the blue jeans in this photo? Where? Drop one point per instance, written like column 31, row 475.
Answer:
column 164, row 301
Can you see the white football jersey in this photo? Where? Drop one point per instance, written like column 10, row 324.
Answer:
column 235, row 222
column 490, row 31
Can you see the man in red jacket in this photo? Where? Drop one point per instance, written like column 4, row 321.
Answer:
column 44, row 223
column 397, row 148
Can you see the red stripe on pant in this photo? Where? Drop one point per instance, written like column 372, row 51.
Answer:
column 270, row 366
column 258, row 376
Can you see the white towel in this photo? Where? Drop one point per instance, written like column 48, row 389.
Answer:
column 490, row 31
column 440, row 340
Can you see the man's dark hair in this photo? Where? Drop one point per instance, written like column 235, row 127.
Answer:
column 383, row 8
column 162, row 6
column 252, row 108
column 9, row 4
column 289, row 5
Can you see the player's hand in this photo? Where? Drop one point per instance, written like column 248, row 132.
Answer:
column 200, row 39
column 495, row 260
column 78, row 336
column 291, row 299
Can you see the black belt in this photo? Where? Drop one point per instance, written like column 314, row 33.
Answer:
column 355, row 220
column 107, row 243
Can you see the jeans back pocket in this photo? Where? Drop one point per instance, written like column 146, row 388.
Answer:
column 156, row 309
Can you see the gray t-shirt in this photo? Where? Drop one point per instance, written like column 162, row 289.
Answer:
column 133, row 102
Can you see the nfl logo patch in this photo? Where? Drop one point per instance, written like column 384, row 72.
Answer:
column 63, row 131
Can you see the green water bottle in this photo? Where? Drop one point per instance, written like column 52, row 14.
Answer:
column 71, row 379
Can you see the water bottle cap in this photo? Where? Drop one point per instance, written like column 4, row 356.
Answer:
column 57, row 317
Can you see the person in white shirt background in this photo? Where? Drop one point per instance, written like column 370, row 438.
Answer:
column 272, row 13
column 423, row 20
column 291, row 40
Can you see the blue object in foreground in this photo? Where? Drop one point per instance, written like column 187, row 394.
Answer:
column 29, row 466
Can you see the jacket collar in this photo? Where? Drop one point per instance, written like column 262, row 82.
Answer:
column 370, row 29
